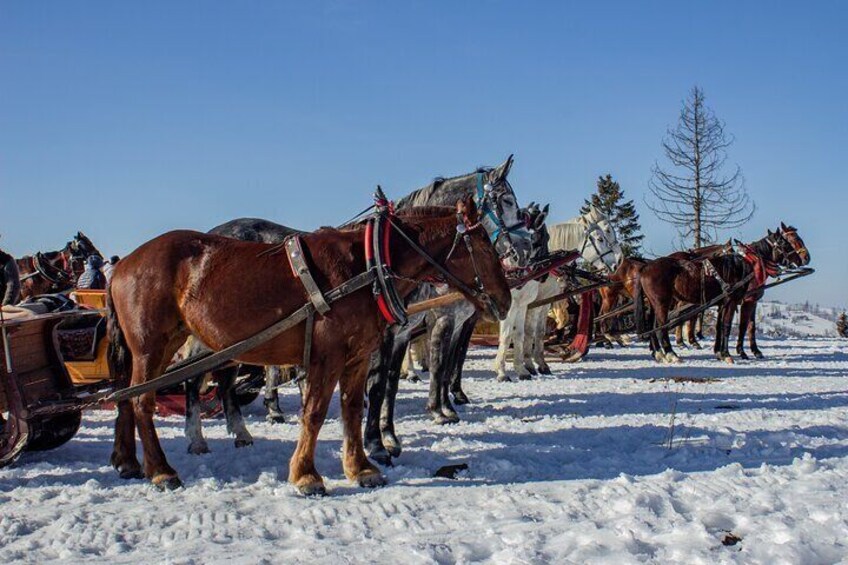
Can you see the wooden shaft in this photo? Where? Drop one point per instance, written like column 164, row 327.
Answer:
column 437, row 302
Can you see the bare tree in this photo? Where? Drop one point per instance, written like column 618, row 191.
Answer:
column 696, row 193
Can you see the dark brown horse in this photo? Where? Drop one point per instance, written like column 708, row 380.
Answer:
column 666, row 282
column 786, row 244
column 624, row 278
column 55, row 271
column 224, row 290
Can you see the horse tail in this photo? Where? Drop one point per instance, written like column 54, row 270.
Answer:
column 119, row 355
column 639, row 305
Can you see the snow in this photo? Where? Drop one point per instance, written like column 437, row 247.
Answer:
column 797, row 320
column 570, row 468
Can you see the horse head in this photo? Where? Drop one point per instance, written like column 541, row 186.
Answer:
column 789, row 248
column 601, row 247
column 501, row 216
column 534, row 220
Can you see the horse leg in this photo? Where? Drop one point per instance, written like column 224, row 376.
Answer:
column 440, row 343
column 352, row 388
column 375, row 389
column 388, row 437
column 504, row 337
column 317, row 393
column 744, row 320
column 193, row 429
column 691, row 334
column 123, row 457
column 678, row 334
column 273, row 379
column 461, row 351
column 518, row 362
column 536, row 341
column 226, row 379
column 726, row 319
column 667, row 352
column 752, row 329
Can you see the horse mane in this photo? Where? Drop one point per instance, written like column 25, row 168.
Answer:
column 425, row 193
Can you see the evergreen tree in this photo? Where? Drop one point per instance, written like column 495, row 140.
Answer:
column 622, row 215
column 842, row 325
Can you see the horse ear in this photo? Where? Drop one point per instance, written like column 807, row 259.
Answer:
column 783, row 226
column 467, row 209
column 500, row 173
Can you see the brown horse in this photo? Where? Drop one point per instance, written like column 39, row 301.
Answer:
column 791, row 250
column 624, row 278
column 55, row 271
column 224, row 290
column 667, row 281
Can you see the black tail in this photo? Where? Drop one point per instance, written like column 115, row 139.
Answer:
column 119, row 355
column 639, row 306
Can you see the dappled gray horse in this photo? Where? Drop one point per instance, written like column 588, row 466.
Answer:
column 450, row 326
column 247, row 229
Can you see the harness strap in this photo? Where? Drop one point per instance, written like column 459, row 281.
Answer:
column 294, row 251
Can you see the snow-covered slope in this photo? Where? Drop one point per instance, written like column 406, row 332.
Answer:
column 795, row 320
column 608, row 461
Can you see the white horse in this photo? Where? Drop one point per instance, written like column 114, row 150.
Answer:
column 591, row 234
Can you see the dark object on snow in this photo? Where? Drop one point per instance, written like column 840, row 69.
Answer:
column 730, row 539
column 842, row 325
column 451, row 471
column 727, row 407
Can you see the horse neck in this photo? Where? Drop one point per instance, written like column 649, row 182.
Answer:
column 441, row 193
column 435, row 235
column 763, row 248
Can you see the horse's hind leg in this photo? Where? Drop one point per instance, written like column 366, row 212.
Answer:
column 226, row 379
column 691, row 334
column 124, row 458
column 271, row 401
column 193, row 428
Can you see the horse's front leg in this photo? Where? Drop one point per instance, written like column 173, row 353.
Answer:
column 352, row 387
column 317, row 392
column 460, row 351
column 744, row 320
column 375, row 389
column 726, row 313
column 504, row 339
column 752, row 329
column 440, row 348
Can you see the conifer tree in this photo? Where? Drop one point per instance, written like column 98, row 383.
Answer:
column 622, row 215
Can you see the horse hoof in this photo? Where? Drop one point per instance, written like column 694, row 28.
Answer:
column 127, row 472
column 392, row 445
column 460, row 398
column 525, row 377
column 371, row 479
column 659, row 357
column 696, row 345
column 742, row 355
column 531, row 369
column 243, row 442
column 450, row 414
column 165, row 483
column 413, row 378
column 312, row 489
column 198, row 448
column 759, row 355
column 672, row 357
column 275, row 418
column 545, row 370
column 440, row 419
column 381, row 457
column 503, row 379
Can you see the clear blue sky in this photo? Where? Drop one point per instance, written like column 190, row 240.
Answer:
column 128, row 119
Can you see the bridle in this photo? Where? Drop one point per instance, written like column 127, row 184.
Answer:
column 782, row 255
column 378, row 231
column 589, row 228
column 488, row 201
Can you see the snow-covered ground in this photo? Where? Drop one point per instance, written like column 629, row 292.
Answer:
column 571, row 468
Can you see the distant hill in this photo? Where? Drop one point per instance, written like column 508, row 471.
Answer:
column 796, row 320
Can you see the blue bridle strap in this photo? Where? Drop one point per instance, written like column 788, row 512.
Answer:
column 483, row 206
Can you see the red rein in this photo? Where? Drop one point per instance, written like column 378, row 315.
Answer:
column 762, row 270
